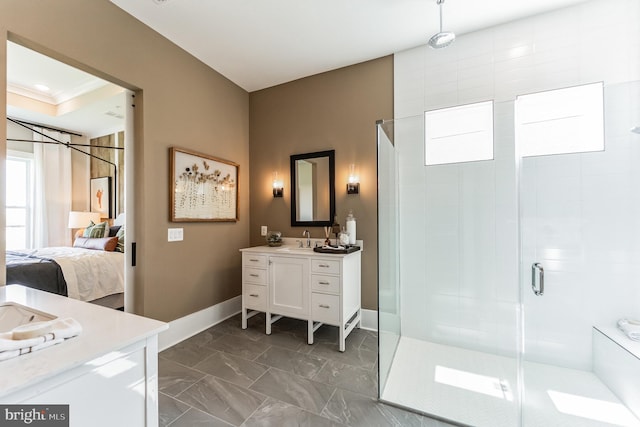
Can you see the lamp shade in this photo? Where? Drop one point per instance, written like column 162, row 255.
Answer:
column 83, row 219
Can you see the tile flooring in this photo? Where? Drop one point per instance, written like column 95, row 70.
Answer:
column 228, row 376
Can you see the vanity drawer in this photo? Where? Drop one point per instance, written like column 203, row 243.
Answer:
column 325, row 308
column 255, row 297
column 325, row 266
column 252, row 260
column 325, row 283
column 254, row 275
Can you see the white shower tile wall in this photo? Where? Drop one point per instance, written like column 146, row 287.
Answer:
column 579, row 213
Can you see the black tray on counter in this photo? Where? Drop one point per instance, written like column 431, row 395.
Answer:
column 346, row 250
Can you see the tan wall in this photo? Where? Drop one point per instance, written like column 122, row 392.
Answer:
column 179, row 101
column 334, row 110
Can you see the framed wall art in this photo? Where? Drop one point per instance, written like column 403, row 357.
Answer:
column 202, row 187
column 100, row 192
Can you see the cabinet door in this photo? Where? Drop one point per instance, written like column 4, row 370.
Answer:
column 289, row 286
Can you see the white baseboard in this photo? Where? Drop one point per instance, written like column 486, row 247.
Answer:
column 369, row 320
column 187, row 326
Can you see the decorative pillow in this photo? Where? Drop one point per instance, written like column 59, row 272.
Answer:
column 113, row 230
column 102, row 244
column 96, row 230
column 120, row 236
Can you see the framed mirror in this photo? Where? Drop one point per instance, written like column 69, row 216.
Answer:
column 313, row 197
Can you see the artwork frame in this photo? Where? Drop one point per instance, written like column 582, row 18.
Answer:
column 100, row 195
column 202, row 188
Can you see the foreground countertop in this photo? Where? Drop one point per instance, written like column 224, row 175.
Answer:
column 103, row 330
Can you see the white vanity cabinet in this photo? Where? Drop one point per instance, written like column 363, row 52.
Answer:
column 299, row 283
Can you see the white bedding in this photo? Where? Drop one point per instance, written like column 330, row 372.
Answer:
column 89, row 273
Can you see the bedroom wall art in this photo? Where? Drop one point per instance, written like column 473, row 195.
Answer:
column 100, row 194
column 202, row 187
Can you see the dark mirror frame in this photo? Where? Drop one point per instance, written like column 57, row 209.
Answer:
column 332, row 188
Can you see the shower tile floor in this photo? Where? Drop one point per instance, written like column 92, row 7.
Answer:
column 480, row 389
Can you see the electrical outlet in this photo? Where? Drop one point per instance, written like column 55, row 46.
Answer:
column 175, row 235
column 263, row 230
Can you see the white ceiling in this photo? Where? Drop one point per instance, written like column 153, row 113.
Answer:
column 76, row 101
column 262, row 43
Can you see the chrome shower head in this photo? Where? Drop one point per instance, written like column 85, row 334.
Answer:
column 636, row 129
column 442, row 38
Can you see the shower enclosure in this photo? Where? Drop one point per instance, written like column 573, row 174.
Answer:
column 502, row 279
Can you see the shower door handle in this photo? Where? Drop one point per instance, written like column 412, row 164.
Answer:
column 539, row 290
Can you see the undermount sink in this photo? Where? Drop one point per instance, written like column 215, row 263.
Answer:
column 13, row 315
column 294, row 249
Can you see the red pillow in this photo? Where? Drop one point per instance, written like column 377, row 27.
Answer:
column 102, row 243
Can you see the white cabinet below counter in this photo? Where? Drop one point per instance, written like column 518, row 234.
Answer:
column 303, row 284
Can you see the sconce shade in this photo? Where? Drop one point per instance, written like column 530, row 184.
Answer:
column 278, row 186
column 353, row 185
column 83, row 219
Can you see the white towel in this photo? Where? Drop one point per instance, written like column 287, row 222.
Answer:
column 630, row 327
column 61, row 329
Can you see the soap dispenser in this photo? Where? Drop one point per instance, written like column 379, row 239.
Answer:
column 351, row 228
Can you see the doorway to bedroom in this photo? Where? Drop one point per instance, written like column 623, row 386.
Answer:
column 69, row 137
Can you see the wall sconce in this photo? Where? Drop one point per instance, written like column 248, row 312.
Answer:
column 278, row 186
column 353, row 184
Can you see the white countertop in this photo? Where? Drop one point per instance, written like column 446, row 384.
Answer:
column 103, row 330
column 291, row 246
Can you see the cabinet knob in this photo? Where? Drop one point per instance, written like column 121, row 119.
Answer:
column 324, row 283
column 323, row 306
column 253, row 260
column 323, row 265
column 253, row 295
column 254, row 275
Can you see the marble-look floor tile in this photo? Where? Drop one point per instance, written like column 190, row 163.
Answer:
column 241, row 346
column 293, row 340
column 205, row 338
column 233, row 326
column 360, row 380
column 222, row 399
column 293, row 389
column 274, row 413
column 174, row 378
column 355, row 409
column 370, row 343
column 232, row 368
column 305, row 365
column 354, row 356
column 169, row 409
column 186, row 353
column 196, row 418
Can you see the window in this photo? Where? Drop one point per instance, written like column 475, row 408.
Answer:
column 18, row 200
column 560, row 121
column 459, row 134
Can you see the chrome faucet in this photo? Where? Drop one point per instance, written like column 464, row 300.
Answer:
column 306, row 234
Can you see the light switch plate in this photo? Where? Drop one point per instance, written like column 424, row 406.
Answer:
column 175, row 235
column 263, row 230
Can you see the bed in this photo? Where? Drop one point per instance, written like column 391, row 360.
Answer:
column 86, row 271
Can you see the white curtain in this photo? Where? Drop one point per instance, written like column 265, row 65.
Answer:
column 52, row 188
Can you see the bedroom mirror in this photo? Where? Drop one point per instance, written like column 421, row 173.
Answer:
column 313, row 188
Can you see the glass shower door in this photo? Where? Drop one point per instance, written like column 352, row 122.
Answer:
column 388, row 254
column 580, row 263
